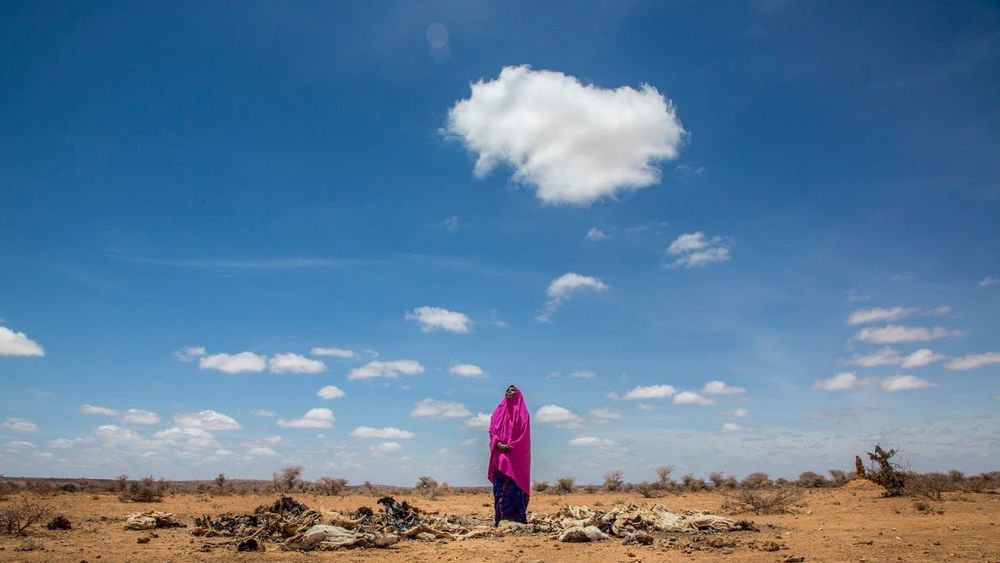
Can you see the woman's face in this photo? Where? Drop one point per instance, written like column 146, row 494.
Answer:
column 511, row 392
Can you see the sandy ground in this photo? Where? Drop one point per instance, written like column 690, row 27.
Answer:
column 848, row 524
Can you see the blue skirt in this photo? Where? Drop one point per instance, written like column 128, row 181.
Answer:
column 509, row 501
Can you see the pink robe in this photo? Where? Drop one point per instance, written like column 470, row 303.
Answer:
column 511, row 424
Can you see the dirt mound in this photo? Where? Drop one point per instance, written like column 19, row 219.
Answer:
column 862, row 485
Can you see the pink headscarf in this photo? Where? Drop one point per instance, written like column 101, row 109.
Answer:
column 510, row 424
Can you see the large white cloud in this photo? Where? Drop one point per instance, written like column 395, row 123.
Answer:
column 467, row 370
column 437, row 318
column 893, row 334
column 921, row 358
column 481, row 421
column 887, row 356
column 574, row 143
column 234, row 363
column 206, row 420
column 430, row 408
column 19, row 424
column 294, row 363
column 973, row 361
column 564, row 287
column 18, row 344
column 694, row 249
column 905, row 383
column 555, row 414
column 330, row 392
column 650, row 392
column 314, row 418
column 387, row 433
column 390, row 369
column 190, row 438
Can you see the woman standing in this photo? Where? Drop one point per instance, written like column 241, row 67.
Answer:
column 510, row 458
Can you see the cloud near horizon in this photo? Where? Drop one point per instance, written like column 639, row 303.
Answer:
column 18, row 344
column 574, row 143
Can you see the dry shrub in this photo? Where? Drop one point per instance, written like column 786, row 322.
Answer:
column 613, row 481
column 17, row 516
column 143, row 490
column 762, row 500
column 647, row 489
column 692, row 483
column 756, row 481
column 929, row 485
column 663, row 479
column 886, row 472
column 331, row 486
column 591, row 488
column 811, row 479
column 721, row 481
column 565, row 485
column 288, row 479
column 838, row 478
column 540, row 487
column 426, row 487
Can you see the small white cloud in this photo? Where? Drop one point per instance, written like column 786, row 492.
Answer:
column 334, row 353
column 64, row 443
column 738, row 412
column 583, row 374
column 206, row 420
column 234, row 363
column 591, row 441
column 694, row 249
column 294, row 363
column 430, row 408
column 604, row 415
column 921, row 358
column 314, row 418
column 575, row 143
column 437, row 318
column 692, row 398
column 20, row 445
column 450, row 224
column 330, row 392
column 650, row 392
column 390, row 369
column 988, row 282
column 19, row 424
column 878, row 314
column 262, row 413
column 385, row 447
column 467, row 370
column 442, row 450
column 555, row 414
column 731, row 427
column 564, row 287
column 130, row 416
column 973, row 361
column 840, row 382
column 893, row 334
column 387, row 433
column 189, row 353
column 481, row 421
column 18, row 344
column 596, row 234
column 261, row 451
column 190, row 438
column 722, row 388
column 469, row 442
column 882, row 357
column 905, row 383
column 118, row 436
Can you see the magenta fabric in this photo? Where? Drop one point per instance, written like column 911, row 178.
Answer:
column 510, row 424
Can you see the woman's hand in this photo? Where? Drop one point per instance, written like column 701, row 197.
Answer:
column 503, row 447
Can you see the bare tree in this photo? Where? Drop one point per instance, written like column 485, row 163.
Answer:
column 663, row 479
column 613, row 481
column 288, row 478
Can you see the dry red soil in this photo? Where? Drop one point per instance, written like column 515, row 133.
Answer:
column 846, row 524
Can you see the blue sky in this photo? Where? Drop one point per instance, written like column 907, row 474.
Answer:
column 210, row 212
